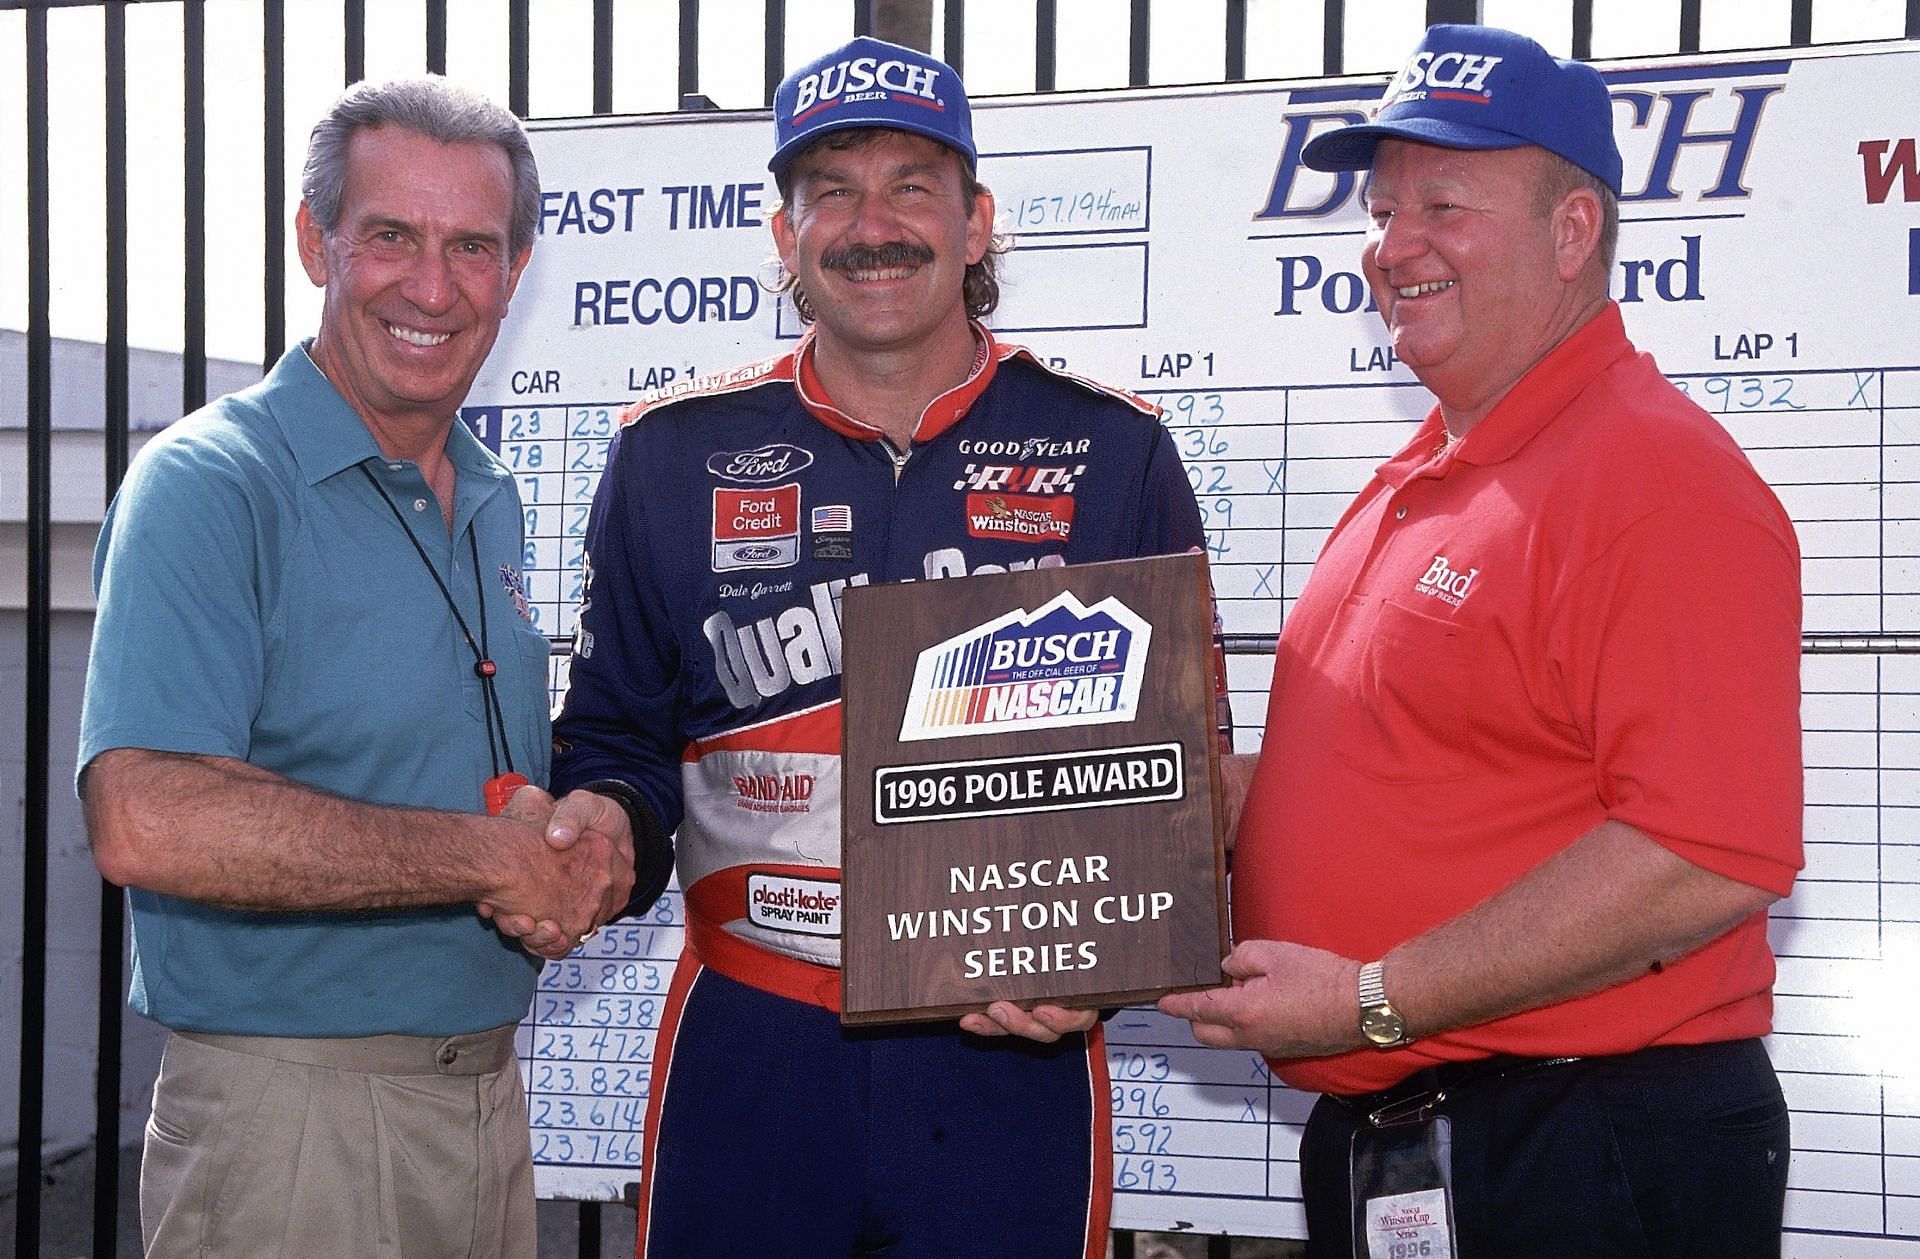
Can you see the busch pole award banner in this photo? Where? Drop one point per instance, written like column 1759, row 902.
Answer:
column 1028, row 807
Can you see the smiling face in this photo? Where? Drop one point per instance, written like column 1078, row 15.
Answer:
column 417, row 271
column 1476, row 281
column 880, row 236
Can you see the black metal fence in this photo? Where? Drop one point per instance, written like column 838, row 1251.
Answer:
column 866, row 17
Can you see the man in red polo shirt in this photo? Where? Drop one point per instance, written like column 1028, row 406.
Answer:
column 1531, row 774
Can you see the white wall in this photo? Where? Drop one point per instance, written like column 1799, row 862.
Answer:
column 72, row 895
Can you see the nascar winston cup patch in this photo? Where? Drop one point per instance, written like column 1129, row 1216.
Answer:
column 1063, row 665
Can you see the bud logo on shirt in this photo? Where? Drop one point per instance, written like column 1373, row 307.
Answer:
column 758, row 528
column 1444, row 583
column 1063, row 665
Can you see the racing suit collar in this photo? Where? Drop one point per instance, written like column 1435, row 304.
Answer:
column 942, row 413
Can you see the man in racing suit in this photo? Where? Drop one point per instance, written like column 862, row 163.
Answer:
column 898, row 441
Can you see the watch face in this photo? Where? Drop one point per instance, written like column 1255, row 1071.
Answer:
column 1381, row 1025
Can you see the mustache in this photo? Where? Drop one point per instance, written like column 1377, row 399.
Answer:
column 897, row 253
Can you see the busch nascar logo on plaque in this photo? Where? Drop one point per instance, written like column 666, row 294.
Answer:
column 1028, row 802
column 1063, row 665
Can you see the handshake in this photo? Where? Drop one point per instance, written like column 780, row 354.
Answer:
column 569, row 866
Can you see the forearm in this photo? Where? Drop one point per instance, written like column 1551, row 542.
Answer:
column 219, row 831
column 1610, row 907
column 1236, row 780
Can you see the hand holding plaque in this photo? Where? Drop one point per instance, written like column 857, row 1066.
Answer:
column 1029, row 789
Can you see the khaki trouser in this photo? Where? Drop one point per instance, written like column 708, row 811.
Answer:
column 409, row 1147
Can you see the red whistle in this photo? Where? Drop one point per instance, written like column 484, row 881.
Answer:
column 500, row 789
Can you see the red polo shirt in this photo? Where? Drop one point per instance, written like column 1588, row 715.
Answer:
column 1587, row 608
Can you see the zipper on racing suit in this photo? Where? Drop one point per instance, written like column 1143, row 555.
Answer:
column 898, row 456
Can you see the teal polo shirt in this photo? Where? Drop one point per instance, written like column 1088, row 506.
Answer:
column 258, row 600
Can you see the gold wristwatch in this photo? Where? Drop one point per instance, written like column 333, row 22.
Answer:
column 1380, row 1023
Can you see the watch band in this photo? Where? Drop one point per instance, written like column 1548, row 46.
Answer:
column 1380, row 1023
column 1373, row 984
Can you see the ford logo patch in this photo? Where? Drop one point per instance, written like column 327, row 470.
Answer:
column 772, row 462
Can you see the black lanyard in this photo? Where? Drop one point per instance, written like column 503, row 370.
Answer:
column 483, row 666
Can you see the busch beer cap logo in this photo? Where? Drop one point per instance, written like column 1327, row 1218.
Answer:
column 1479, row 87
column 871, row 83
column 1063, row 665
column 1454, row 75
column 855, row 79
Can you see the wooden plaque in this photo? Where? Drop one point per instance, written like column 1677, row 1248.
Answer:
column 1028, row 797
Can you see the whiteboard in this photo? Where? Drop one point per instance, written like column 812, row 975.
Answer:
column 1171, row 243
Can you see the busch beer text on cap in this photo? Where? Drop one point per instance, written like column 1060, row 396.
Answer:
column 1479, row 87
column 871, row 83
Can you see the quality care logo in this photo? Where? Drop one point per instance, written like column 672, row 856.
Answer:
column 1063, row 665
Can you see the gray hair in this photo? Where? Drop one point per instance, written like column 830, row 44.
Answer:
column 436, row 108
column 1557, row 177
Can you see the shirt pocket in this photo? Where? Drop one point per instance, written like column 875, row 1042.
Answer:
column 1415, row 686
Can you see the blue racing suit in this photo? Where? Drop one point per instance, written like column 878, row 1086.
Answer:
column 706, row 674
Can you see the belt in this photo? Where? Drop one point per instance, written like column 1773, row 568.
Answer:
column 474, row 1053
column 1417, row 1096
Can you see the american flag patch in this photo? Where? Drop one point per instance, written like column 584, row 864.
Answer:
column 837, row 518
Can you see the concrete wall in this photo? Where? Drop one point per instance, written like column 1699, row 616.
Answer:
column 72, row 894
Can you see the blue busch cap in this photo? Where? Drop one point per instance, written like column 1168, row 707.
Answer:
column 871, row 83
column 1479, row 87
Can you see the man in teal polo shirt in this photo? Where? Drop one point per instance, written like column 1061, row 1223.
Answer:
column 311, row 670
